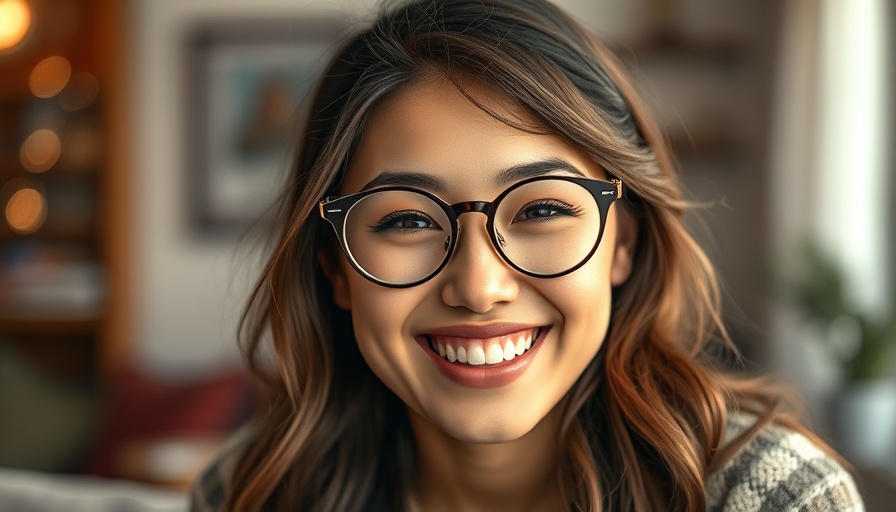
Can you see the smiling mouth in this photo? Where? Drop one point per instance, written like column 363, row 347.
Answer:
column 483, row 351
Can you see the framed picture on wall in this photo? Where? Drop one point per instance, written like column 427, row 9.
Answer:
column 247, row 79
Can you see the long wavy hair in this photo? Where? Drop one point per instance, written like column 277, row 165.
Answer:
column 642, row 426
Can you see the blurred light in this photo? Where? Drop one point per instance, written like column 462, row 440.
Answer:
column 15, row 20
column 26, row 210
column 40, row 151
column 49, row 76
column 80, row 91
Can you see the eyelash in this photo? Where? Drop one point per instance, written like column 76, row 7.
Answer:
column 558, row 207
column 388, row 222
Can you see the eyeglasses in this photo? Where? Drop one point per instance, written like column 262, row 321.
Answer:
column 543, row 227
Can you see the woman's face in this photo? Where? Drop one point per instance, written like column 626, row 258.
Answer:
column 477, row 301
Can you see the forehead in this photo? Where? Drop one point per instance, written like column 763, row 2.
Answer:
column 430, row 127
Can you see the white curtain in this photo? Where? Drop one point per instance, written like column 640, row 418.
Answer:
column 828, row 170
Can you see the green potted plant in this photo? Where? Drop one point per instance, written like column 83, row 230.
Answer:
column 864, row 421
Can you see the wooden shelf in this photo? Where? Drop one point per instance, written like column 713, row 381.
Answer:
column 39, row 325
column 704, row 136
column 682, row 48
column 704, row 144
column 89, row 235
column 81, row 190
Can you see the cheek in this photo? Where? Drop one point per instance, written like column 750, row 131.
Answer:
column 379, row 318
column 586, row 288
column 584, row 299
column 377, row 312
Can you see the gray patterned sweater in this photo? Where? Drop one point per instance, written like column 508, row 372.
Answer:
column 779, row 470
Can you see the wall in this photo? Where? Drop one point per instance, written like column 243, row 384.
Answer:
column 188, row 290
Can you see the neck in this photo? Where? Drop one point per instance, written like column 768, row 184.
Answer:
column 516, row 475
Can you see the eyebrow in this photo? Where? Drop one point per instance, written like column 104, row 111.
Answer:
column 535, row 169
column 407, row 179
column 395, row 177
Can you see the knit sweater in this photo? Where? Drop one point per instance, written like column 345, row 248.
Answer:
column 778, row 470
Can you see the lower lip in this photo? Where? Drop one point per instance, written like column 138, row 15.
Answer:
column 485, row 376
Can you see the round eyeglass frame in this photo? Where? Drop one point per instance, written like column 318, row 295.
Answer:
column 336, row 210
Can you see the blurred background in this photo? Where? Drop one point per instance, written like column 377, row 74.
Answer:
column 139, row 139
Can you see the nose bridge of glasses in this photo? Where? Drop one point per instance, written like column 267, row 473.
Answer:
column 470, row 206
column 483, row 207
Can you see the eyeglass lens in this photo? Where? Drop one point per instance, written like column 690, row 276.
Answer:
column 544, row 227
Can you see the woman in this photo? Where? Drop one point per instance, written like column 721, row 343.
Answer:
column 482, row 296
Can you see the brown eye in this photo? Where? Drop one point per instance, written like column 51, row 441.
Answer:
column 543, row 210
column 405, row 221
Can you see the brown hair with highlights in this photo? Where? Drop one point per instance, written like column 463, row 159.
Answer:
column 643, row 425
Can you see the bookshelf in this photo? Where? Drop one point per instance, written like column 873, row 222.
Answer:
column 61, row 241
column 706, row 72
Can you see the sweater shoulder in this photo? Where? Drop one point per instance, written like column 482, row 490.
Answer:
column 210, row 489
column 780, row 470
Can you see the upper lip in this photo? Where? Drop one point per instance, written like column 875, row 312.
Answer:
column 479, row 331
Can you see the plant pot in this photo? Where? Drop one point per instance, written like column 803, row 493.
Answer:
column 864, row 423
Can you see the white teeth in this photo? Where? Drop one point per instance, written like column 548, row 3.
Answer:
column 449, row 351
column 521, row 344
column 492, row 353
column 477, row 356
column 509, row 352
column 495, row 354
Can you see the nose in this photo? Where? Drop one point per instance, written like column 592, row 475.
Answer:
column 477, row 277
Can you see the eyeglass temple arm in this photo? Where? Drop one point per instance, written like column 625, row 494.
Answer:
column 324, row 212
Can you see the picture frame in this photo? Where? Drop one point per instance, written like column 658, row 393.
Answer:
column 246, row 82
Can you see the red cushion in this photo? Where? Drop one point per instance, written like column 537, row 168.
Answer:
column 140, row 407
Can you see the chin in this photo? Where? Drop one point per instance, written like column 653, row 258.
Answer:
column 498, row 435
column 494, row 428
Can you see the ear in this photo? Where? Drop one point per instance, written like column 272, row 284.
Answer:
column 333, row 270
column 624, row 251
